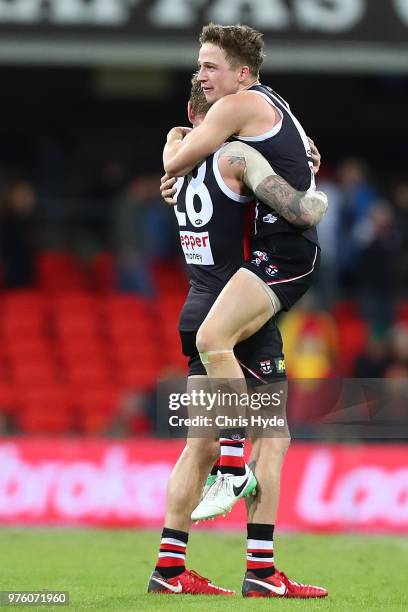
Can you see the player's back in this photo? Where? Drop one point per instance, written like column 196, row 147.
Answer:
column 211, row 221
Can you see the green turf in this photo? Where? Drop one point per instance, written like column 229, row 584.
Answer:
column 108, row 570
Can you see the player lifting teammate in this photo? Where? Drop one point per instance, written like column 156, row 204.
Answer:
column 223, row 180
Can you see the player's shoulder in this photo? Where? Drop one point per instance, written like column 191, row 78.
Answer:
column 234, row 148
column 231, row 102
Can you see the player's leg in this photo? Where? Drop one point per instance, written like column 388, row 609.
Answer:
column 233, row 318
column 281, row 271
column 262, row 579
column 240, row 310
column 187, row 479
column 254, row 355
column 183, row 492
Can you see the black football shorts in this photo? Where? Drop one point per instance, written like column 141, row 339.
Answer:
column 287, row 263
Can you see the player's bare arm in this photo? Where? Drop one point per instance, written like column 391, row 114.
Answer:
column 231, row 115
column 302, row 209
column 168, row 189
column 241, row 164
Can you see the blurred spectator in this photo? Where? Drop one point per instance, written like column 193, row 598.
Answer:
column 357, row 198
column 132, row 418
column 373, row 361
column 378, row 243
column 144, row 230
column 398, row 359
column 310, row 341
column 311, row 353
column 96, row 217
column 3, row 424
column 396, row 374
column 330, row 240
column 17, row 240
column 130, row 238
column 400, row 197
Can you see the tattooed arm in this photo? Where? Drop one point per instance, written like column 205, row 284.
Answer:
column 302, row 209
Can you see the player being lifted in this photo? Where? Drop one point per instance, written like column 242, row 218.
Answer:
column 229, row 61
column 219, row 184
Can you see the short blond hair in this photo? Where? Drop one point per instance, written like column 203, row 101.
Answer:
column 199, row 104
column 243, row 45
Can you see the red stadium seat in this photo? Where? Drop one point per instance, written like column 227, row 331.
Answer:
column 58, row 271
column 75, row 349
column 75, row 302
column 24, row 313
column 45, row 410
column 8, row 398
column 34, row 371
column 80, row 325
column 96, row 409
column 125, row 306
column 141, row 376
column 103, row 273
column 170, row 278
column 90, row 375
column 31, row 348
column 25, row 301
column 402, row 313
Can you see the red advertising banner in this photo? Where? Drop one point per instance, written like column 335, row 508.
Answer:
column 123, row 484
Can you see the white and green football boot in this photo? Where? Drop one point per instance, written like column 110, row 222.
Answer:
column 220, row 496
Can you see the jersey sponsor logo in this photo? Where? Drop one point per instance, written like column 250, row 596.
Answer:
column 261, row 255
column 271, row 270
column 280, row 365
column 197, row 248
column 270, row 218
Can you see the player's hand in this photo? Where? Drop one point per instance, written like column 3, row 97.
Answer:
column 178, row 133
column 316, row 157
column 168, row 189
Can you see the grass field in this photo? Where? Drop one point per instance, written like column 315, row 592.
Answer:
column 108, row 570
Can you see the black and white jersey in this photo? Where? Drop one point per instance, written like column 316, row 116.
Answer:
column 211, row 220
column 287, row 149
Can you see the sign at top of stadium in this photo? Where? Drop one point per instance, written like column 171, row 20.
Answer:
column 355, row 19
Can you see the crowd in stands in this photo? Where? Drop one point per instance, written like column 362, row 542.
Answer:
column 91, row 285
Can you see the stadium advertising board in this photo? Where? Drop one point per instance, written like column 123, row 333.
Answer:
column 356, row 20
column 369, row 36
column 123, row 484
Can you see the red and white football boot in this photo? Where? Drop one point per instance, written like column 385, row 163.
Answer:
column 189, row 582
column 279, row 585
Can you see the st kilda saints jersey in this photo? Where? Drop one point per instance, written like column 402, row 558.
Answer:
column 287, row 150
column 211, row 221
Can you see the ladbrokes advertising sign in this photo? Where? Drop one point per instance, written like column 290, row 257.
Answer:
column 122, row 484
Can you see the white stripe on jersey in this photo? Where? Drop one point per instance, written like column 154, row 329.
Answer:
column 302, row 135
column 276, row 128
column 236, row 197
